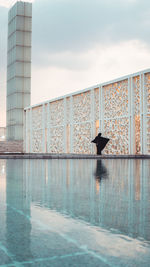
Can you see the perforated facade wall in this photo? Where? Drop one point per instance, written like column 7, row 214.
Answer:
column 119, row 109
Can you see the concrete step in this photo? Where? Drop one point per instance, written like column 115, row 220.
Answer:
column 11, row 146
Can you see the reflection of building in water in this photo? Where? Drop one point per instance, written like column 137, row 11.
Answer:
column 2, row 170
column 2, row 133
column 17, row 198
column 71, row 188
column 2, row 197
column 2, row 181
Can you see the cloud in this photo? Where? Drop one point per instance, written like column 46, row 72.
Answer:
column 78, row 43
column 9, row 3
column 64, row 59
column 5, row 3
column 106, row 63
column 67, row 26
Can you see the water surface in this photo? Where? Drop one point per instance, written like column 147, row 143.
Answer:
column 75, row 212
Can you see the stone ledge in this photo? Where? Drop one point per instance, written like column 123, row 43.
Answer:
column 67, row 156
column 11, row 146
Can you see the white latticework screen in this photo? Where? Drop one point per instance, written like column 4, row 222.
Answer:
column 120, row 110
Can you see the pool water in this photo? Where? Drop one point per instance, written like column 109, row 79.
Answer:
column 75, row 212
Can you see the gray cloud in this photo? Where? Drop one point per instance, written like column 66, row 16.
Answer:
column 79, row 25
column 76, row 26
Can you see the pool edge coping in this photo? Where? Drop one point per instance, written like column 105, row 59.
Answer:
column 67, row 156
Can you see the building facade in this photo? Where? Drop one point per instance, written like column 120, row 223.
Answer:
column 120, row 109
column 18, row 68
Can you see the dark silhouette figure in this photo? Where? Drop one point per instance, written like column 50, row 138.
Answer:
column 100, row 143
column 101, row 171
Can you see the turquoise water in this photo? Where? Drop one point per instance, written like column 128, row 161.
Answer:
column 75, row 213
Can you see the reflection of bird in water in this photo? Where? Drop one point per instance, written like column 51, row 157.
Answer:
column 101, row 171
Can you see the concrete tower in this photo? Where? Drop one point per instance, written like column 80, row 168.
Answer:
column 18, row 67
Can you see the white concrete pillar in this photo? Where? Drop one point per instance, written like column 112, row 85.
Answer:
column 101, row 109
column 43, row 129
column 71, row 124
column 26, row 129
column 65, row 125
column 31, row 139
column 48, row 127
column 99, row 101
column 92, row 119
column 18, row 67
column 141, row 112
column 132, row 121
column 144, row 128
column 129, row 115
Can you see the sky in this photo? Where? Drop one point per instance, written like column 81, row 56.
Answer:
column 79, row 43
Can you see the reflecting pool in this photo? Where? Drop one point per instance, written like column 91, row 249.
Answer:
column 75, row 212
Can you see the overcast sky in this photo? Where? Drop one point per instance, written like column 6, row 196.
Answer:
column 79, row 43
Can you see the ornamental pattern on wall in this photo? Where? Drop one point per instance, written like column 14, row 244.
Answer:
column 119, row 109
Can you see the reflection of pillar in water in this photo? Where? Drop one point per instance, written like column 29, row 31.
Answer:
column 142, row 200
column 138, row 212
column 71, row 191
column 130, row 197
column 145, row 200
column 64, row 169
column 18, row 227
column 2, row 198
column 92, row 197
